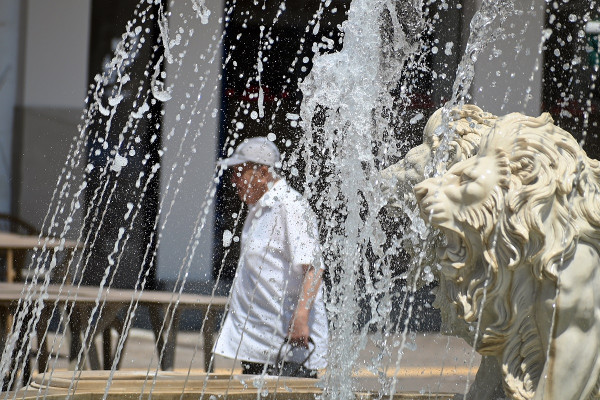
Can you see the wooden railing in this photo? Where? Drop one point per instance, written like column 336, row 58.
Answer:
column 166, row 306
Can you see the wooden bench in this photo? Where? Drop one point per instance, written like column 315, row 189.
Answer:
column 85, row 298
column 12, row 243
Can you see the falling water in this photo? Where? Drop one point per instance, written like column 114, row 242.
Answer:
column 358, row 105
column 348, row 96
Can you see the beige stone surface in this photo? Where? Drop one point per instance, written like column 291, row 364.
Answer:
column 431, row 363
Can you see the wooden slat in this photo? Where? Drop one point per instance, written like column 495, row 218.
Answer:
column 15, row 241
column 88, row 294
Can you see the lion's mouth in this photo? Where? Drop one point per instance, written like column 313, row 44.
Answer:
column 454, row 253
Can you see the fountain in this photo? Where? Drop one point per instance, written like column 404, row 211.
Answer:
column 360, row 107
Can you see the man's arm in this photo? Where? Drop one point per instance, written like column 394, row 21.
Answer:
column 299, row 331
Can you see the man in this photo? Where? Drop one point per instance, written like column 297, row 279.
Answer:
column 276, row 294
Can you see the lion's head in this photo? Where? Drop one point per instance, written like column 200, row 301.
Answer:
column 463, row 127
column 511, row 215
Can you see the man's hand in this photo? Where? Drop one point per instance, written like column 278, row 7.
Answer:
column 299, row 332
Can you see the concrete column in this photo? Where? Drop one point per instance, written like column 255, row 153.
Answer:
column 56, row 58
column 10, row 16
column 191, row 121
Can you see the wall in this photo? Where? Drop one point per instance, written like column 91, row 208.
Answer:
column 506, row 79
column 54, row 39
column 190, row 132
column 50, row 99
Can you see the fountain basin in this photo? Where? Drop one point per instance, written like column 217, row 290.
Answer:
column 91, row 385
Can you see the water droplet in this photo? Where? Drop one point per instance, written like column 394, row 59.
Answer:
column 448, row 49
column 416, row 118
column 227, row 237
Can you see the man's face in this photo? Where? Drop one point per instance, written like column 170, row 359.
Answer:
column 250, row 181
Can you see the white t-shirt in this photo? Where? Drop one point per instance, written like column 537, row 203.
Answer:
column 278, row 238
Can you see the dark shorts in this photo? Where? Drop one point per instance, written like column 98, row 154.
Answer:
column 253, row 368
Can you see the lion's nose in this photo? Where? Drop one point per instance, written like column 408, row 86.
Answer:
column 420, row 191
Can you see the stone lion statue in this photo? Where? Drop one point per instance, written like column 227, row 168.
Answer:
column 521, row 262
column 464, row 127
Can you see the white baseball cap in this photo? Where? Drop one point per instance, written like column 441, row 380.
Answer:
column 259, row 150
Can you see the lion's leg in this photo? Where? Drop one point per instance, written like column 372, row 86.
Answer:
column 573, row 367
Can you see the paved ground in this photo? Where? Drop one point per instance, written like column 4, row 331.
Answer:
column 430, row 363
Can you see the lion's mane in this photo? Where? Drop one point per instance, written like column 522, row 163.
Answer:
column 466, row 125
column 548, row 201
